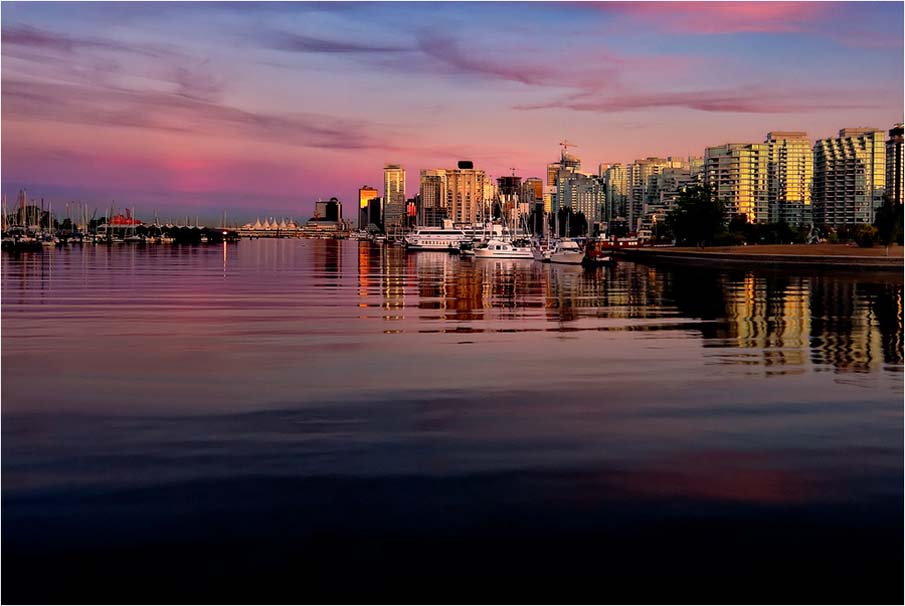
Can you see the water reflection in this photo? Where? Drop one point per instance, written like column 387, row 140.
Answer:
column 783, row 322
column 170, row 396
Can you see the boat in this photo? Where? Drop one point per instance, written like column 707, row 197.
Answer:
column 435, row 238
column 598, row 252
column 497, row 248
column 49, row 240
column 567, row 251
column 542, row 251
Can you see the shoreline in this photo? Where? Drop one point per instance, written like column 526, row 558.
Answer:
column 777, row 256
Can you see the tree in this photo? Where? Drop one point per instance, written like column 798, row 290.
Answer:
column 888, row 222
column 698, row 216
column 865, row 235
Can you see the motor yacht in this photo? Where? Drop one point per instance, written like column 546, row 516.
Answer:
column 503, row 249
column 568, row 252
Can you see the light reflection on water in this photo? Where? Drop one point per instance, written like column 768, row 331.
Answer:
column 132, row 367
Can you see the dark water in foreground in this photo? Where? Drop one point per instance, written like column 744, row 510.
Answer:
column 319, row 420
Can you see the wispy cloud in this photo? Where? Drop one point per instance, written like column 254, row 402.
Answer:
column 301, row 43
column 174, row 112
column 748, row 100
column 34, row 38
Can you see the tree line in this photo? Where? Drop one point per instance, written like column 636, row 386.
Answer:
column 699, row 219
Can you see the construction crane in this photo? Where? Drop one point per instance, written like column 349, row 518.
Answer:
column 565, row 145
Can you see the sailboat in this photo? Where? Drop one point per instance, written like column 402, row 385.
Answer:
column 505, row 246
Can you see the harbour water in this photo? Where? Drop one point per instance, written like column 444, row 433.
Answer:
column 308, row 420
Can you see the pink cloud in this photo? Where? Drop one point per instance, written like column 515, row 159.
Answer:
column 723, row 17
column 748, row 100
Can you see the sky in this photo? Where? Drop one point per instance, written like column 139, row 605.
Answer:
column 259, row 109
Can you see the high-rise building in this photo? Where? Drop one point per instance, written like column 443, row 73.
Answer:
column 849, row 177
column 365, row 194
column 393, row 195
column 465, row 194
column 790, row 173
column 895, row 178
column 615, row 181
column 737, row 175
column 432, row 189
column 581, row 193
column 639, row 178
column 533, row 190
column 509, row 188
column 668, row 184
column 375, row 212
column 328, row 210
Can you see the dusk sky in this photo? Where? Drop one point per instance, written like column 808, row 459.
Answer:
column 261, row 108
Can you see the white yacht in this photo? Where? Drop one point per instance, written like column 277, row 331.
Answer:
column 503, row 249
column 567, row 251
column 435, row 238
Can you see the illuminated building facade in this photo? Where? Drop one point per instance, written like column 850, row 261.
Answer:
column 790, row 173
column 849, row 176
column 615, row 183
column 895, row 177
column 366, row 194
column 393, row 195
column 432, row 189
column 465, row 193
column 737, row 175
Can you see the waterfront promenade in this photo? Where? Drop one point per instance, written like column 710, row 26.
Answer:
column 778, row 255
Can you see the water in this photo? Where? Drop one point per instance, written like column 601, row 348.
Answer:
column 284, row 420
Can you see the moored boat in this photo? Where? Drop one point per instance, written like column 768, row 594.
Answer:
column 567, row 251
column 503, row 249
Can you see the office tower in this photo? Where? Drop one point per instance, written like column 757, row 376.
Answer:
column 393, row 195
column 737, row 174
column 615, row 182
column 365, row 194
column 895, row 178
column 465, row 193
column 567, row 161
column 375, row 211
column 432, row 189
column 533, row 190
column 328, row 210
column 790, row 173
column 849, row 177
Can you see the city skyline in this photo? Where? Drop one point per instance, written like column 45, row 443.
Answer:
column 263, row 108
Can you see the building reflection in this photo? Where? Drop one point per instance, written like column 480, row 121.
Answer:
column 844, row 323
column 777, row 321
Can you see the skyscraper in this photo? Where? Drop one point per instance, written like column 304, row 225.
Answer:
column 581, row 193
column 393, row 195
column 895, row 179
column 849, row 176
column 533, row 190
column 737, row 174
column 639, row 176
column 432, row 188
column 615, row 182
column 365, row 194
column 465, row 191
column 790, row 173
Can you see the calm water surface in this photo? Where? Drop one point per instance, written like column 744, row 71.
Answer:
column 284, row 420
